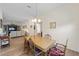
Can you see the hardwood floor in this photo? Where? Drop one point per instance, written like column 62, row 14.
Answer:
column 17, row 49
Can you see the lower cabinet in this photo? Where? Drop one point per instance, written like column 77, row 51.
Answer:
column 16, row 33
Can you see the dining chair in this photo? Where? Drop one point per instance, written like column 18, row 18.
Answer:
column 58, row 50
column 26, row 44
column 35, row 51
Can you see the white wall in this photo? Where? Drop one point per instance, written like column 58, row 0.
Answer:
column 67, row 21
column 31, row 29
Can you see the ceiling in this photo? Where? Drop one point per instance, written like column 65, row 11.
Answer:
column 25, row 11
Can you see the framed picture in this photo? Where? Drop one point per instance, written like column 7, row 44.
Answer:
column 52, row 25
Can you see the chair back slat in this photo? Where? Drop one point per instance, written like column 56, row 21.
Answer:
column 65, row 46
column 62, row 47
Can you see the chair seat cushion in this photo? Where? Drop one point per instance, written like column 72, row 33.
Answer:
column 55, row 52
column 37, row 51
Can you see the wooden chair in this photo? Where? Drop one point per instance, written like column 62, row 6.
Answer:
column 58, row 50
column 26, row 44
column 35, row 51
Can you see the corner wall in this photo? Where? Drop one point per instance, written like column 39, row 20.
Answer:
column 67, row 21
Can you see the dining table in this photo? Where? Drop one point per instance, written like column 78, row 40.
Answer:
column 42, row 43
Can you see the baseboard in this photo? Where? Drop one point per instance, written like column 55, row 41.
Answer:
column 73, row 50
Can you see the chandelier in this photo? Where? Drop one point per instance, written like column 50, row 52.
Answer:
column 36, row 20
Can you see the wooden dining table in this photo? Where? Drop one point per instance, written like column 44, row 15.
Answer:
column 42, row 43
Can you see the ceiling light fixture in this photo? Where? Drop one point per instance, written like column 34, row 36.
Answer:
column 36, row 20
